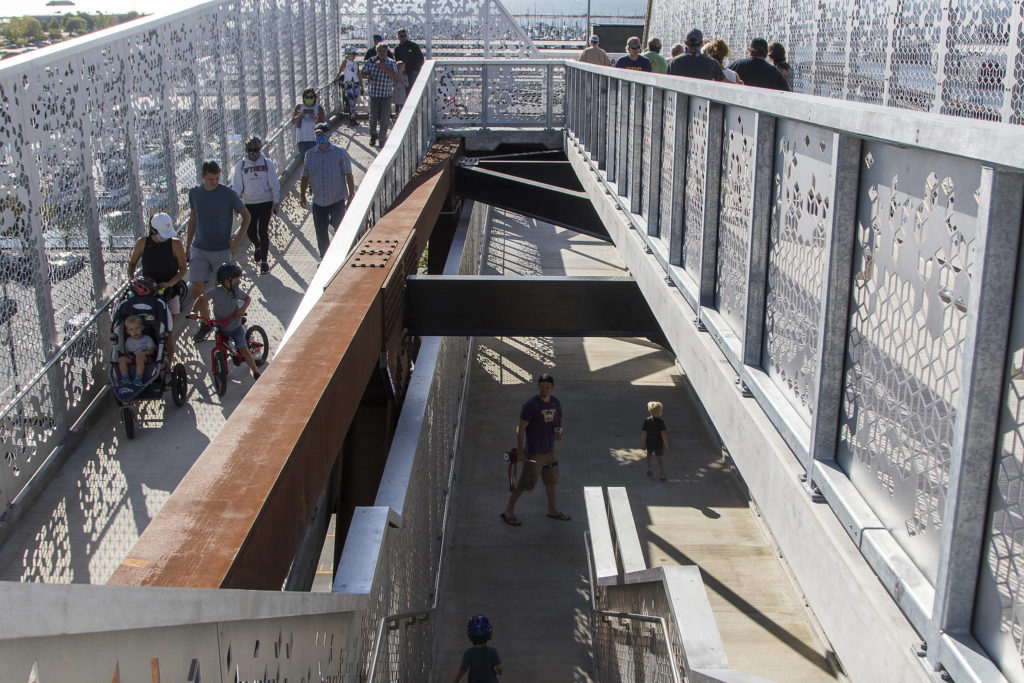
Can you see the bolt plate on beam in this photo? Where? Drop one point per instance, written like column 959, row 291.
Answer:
column 374, row 253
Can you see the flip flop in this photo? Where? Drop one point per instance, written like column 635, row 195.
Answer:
column 561, row 515
column 510, row 519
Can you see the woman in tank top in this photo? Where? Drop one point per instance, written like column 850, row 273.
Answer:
column 163, row 259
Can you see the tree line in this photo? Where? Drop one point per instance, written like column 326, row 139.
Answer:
column 20, row 31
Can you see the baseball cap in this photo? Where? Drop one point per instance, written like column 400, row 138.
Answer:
column 378, row 38
column 545, row 378
column 163, row 225
column 695, row 37
column 594, row 39
column 323, row 128
column 351, row 50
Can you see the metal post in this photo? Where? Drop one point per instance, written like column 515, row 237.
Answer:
column 610, row 127
column 600, row 148
column 1012, row 84
column 834, row 311
column 712, row 196
column 757, row 255
column 551, row 93
column 1000, row 209
column 622, row 138
column 261, row 74
column 132, row 151
column 302, row 51
column 940, row 62
column 487, row 30
column 218, row 61
column 197, row 111
column 429, row 28
column 484, row 99
column 243, row 92
column 888, row 74
column 652, row 173
column 635, row 145
column 92, row 211
column 310, row 10
column 681, row 113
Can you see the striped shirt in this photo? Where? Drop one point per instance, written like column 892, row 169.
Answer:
column 381, row 84
column 327, row 171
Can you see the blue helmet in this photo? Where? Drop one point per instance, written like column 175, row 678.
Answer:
column 478, row 627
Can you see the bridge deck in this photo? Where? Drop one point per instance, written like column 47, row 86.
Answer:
column 105, row 495
column 531, row 580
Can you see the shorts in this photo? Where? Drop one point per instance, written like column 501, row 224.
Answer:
column 237, row 335
column 546, row 468
column 655, row 451
column 203, row 265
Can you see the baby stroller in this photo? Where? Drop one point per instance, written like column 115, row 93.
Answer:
column 144, row 302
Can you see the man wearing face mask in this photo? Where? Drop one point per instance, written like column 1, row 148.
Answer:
column 163, row 260
column 306, row 116
column 328, row 171
column 255, row 181
column 381, row 72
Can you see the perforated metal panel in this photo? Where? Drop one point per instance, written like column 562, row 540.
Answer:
column 914, row 255
column 696, row 161
column 804, row 179
column 737, row 199
column 958, row 57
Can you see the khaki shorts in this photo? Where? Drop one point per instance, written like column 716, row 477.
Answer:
column 533, row 471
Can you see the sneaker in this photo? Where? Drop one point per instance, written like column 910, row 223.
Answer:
column 264, row 268
column 136, row 381
column 373, row 142
column 255, row 375
column 202, row 333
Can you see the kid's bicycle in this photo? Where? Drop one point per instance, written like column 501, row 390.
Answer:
column 224, row 349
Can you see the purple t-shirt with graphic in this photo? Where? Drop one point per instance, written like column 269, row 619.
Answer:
column 543, row 418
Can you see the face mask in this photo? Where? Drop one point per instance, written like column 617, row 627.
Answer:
column 309, row 101
column 321, row 140
column 252, row 154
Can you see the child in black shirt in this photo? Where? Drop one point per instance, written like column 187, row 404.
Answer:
column 481, row 662
column 654, row 437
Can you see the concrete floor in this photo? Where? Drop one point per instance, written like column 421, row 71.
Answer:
column 531, row 581
column 109, row 489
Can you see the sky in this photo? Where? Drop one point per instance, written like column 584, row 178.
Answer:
column 37, row 7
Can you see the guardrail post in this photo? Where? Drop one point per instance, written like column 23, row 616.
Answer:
column 551, row 94
column 834, row 312
column 243, row 92
column 712, row 196
column 484, row 99
column 622, row 138
column 600, row 119
column 167, row 131
column 609, row 128
column 758, row 227
column 261, row 74
column 652, row 172
column 635, row 145
column 679, row 112
column 1000, row 208
column 218, row 61
column 92, row 211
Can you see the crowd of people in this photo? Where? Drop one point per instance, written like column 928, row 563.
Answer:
column 765, row 65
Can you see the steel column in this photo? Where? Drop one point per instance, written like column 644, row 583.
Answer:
column 758, row 227
column 834, row 311
column 218, row 60
column 652, row 172
column 1001, row 206
column 622, row 137
column 681, row 105
column 635, row 145
column 712, row 196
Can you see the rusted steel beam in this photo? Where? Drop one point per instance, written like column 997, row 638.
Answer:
column 238, row 516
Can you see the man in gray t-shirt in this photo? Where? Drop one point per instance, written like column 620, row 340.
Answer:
column 208, row 240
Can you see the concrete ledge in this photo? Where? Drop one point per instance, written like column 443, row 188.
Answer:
column 900, row 575
column 363, row 545
column 626, row 539
column 873, row 639
column 693, row 618
column 605, row 569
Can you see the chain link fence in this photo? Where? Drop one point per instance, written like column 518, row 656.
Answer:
column 956, row 57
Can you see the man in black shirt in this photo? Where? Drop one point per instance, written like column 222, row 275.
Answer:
column 693, row 64
column 372, row 52
column 755, row 69
column 410, row 54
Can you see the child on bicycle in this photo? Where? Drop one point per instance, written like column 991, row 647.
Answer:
column 139, row 347
column 229, row 303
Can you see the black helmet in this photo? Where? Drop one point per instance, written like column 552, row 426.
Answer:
column 226, row 271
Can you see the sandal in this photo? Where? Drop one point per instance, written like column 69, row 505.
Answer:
column 510, row 519
column 559, row 515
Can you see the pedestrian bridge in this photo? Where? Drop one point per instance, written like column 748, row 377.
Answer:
column 834, row 287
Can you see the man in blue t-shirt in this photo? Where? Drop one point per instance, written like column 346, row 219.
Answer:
column 633, row 60
column 540, row 426
column 208, row 238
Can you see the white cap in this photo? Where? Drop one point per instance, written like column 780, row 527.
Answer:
column 163, row 225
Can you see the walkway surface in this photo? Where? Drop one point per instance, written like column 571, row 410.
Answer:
column 93, row 511
column 531, row 581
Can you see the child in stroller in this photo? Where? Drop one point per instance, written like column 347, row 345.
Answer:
column 142, row 321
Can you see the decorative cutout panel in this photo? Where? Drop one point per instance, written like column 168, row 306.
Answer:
column 696, row 168
column 912, row 279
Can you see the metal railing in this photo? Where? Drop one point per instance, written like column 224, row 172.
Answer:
column 956, row 57
column 857, row 268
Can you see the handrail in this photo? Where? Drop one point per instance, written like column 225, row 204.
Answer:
column 628, row 615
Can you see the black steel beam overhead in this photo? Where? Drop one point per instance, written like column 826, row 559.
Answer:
column 550, row 306
column 567, row 207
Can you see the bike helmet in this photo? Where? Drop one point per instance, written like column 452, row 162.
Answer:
column 226, row 271
column 143, row 286
column 479, row 628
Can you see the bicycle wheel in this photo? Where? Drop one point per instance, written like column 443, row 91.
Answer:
column 258, row 343
column 220, row 372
